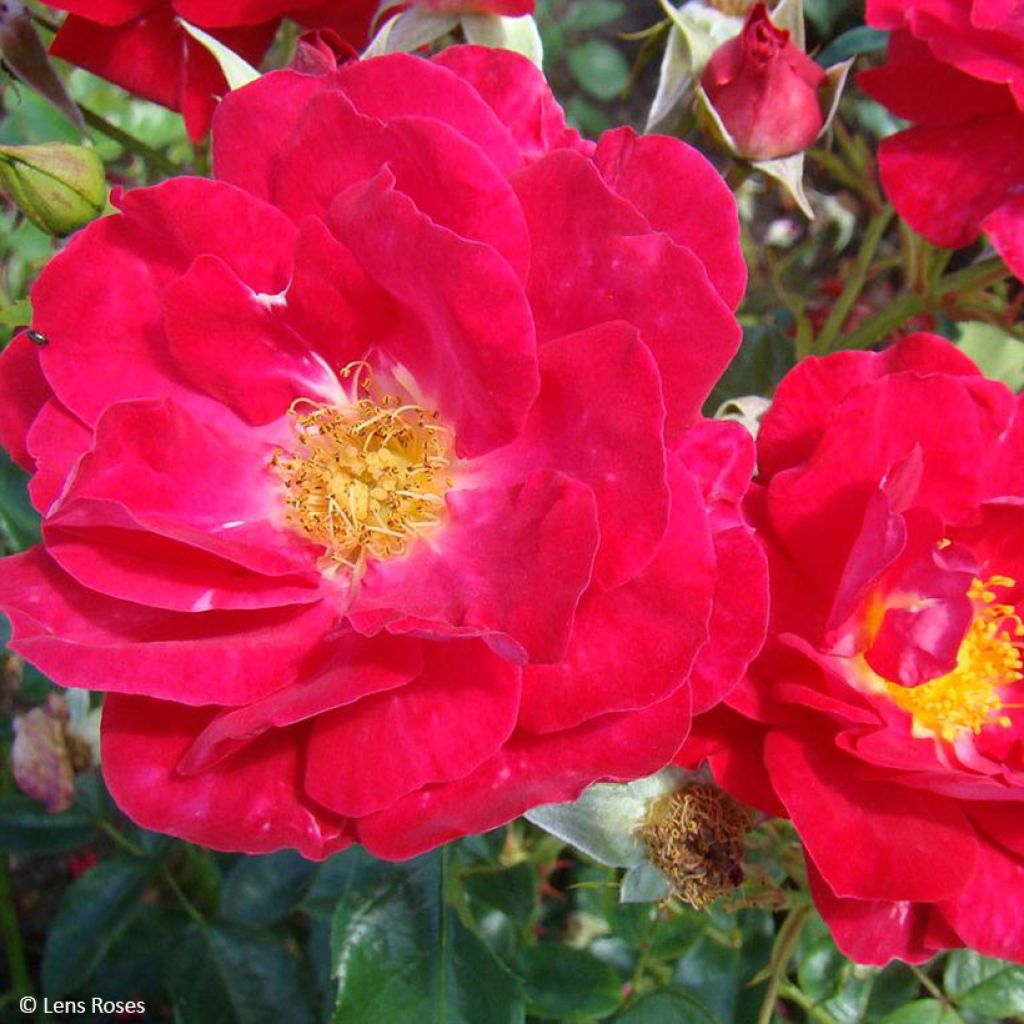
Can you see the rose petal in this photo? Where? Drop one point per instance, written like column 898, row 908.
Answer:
column 24, row 391
column 253, row 803
column 546, row 769
column 440, row 726
column 596, row 259
column 871, row 839
column 478, row 371
column 679, row 192
column 81, row 638
column 611, row 665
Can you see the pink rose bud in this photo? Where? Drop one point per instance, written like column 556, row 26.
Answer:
column 765, row 90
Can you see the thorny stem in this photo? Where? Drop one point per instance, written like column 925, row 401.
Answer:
column 970, row 279
column 156, row 160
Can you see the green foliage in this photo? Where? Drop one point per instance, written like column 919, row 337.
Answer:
column 93, row 913
column 401, row 952
column 599, row 68
column 238, row 974
column 27, row 827
column 986, row 987
column 998, row 353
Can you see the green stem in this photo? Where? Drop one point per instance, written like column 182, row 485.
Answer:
column 10, row 927
column 837, row 169
column 785, row 946
column 17, row 965
column 121, row 840
column 792, row 994
column 855, row 282
column 179, row 893
column 970, row 279
column 156, row 160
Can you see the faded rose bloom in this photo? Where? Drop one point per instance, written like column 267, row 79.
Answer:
column 957, row 70
column 765, row 91
column 884, row 716
column 374, row 484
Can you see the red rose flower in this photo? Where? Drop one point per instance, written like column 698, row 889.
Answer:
column 957, row 70
column 884, row 715
column 374, row 483
column 765, row 90
column 140, row 45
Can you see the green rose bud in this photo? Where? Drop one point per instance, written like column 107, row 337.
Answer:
column 59, row 187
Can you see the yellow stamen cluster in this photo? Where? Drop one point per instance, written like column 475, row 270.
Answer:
column 989, row 659
column 368, row 476
column 694, row 837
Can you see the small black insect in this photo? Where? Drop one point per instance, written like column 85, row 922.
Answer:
column 37, row 337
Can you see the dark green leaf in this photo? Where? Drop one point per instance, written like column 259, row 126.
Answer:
column 599, row 68
column 235, row 973
column 402, row 955
column 561, row 981
column 584, row 116
column 895, row 986
column 920, row 1011
column 818, row 969
column 764, row 357
column 590, row 14
column 95, row 910
column 511, row 891
column 675, row 933
column 27, row 827
column 717, row 969
column 989, row 987
column 136, row 964
column 262, row 890
column 332, row 880
column 851, row 44
column 666, row 1008
column 484, row 848
column 824, row 15
column 19, row 523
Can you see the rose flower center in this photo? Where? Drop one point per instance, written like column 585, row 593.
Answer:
column 989, row 659
column 366, row 478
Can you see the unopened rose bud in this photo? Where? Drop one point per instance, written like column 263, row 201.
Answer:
column 765, row 90
column 59, row 187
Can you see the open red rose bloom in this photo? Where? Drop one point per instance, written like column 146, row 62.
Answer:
column 885, row 714
column 374, row 482
column 956, row 68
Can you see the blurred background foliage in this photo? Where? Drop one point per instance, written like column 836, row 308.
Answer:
column 511, row 926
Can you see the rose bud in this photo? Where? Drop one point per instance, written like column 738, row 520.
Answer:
column 764, row 90
column 57, row 186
